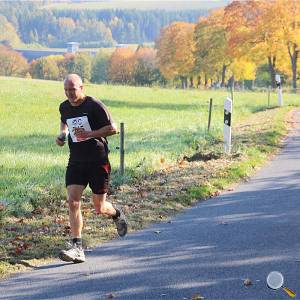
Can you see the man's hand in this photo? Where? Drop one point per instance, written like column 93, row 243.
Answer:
column 60, row 140
column 81, row 134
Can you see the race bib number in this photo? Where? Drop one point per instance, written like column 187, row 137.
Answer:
column 77, row 125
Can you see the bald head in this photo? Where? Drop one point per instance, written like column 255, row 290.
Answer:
column 73, row 78
column 74, row 89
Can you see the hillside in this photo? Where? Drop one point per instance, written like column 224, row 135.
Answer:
column 93, row 24
column 137, row 4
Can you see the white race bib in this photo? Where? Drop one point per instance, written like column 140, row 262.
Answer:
column 77, row 125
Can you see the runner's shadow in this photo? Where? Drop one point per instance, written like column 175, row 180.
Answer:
column 58, row 265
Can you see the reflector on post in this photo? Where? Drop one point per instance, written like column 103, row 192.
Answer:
column 278, row 84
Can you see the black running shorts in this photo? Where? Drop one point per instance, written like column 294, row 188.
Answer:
column 94, row 174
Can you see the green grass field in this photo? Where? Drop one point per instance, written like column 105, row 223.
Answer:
column 160, row 125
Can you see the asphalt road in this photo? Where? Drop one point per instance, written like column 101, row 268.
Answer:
column 209, row 249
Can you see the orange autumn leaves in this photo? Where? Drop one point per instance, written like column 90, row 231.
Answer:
column 234, row 41
column 129, row 66
column 175, row 50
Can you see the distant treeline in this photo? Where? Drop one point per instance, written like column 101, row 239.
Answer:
column 27, row 22
column 122, row 66
column 239, row 43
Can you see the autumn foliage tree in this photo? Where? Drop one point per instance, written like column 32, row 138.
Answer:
column 121, row 66
column 146, row 71
column 211, row 46
column 12, row 63
column 46, row 67
column 255, row 34
column 8, row 33
column 290, row 25
column 81, row 64
column 231, row 43
column 175, row 48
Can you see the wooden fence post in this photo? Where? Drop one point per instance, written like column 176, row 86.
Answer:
column 209, row 114
column 122, row 151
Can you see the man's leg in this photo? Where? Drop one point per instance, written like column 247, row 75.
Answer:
column 74, row 197
column 102, row 206
column 76, row 253
column 106, row 208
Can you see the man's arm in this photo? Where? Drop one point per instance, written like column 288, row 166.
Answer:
column 102, row 132
column 60, row 140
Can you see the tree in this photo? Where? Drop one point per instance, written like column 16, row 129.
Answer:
column 146, row 71
column 121, row 66
column 63, row 63
column 243, row 70
column 211, row 46
column 253, row 32
column 175, row 48
column 66, row 27
column 8, row 33
column 80, row 64
column 100, row 67
column 46, row 67
column 12, row 63
column 92, row 33
column 289, row 12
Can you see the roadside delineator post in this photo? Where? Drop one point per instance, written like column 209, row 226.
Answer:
column 227, row 125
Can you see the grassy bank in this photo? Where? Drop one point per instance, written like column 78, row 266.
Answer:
column 165, row 131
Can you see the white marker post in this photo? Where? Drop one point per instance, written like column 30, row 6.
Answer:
column 227, row 125
column 278, row 83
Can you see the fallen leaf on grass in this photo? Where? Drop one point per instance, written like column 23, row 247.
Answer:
column 67, row 229
column 19, row 250
column 247, row 282
column 59, row 220
column 168, row 169
column 197, row 297
column 182, row 164
column 21, row 247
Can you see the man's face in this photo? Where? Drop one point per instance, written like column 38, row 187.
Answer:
column 73, row 91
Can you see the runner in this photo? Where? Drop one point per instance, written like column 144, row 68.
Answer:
column 87, row 123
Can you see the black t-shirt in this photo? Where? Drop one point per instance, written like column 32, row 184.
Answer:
column 90, row 115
